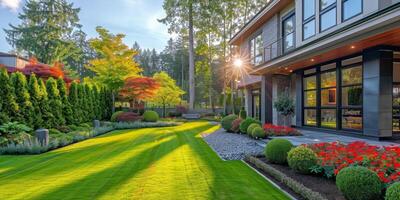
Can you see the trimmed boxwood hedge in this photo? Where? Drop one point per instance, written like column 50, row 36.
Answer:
column 393, row 192
column 277, row 150
column 246, row 123
column 227, row 121
column 150, row 116
column 302, row 159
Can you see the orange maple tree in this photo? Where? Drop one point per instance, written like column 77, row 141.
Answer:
column 137, row 89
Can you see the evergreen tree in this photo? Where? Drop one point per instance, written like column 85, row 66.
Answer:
column 36, row 95
column 8, row 105
column 82, row 102
column 66, row 106
column 96, row 102
column 75, row 103
column 47, row 114
column 89, row 102
column 22, row 97
column 55, row 103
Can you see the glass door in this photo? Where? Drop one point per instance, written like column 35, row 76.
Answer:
column 256, row 104
column 288, row 32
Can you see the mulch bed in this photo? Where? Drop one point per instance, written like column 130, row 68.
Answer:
column 326, row 187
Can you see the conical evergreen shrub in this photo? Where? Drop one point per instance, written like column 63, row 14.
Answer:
column 66, row 106
column 8, row 104
column 22, row 97
column 55, row 103
column 47, row 115
column 36, row 95
column 75, row 103
column 89, row 102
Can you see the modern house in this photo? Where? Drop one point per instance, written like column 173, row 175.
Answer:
column 12, row 60
column 338, row 59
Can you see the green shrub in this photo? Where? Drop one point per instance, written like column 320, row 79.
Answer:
column 258, row 133
column 227, row 121
column 236, row 124
column 115, row 115
column 251, row 127
column 277, row 150
column 14, row 128
column 393, row 192
column 243, row 114
column 302, row 159
column 359, row 183
column 150, row 116
column 246, row 123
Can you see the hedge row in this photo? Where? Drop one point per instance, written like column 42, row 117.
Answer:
column 48, row 104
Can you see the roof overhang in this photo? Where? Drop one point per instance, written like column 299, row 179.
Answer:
column 272, row 7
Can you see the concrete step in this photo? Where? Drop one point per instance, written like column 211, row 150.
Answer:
column 191, row 116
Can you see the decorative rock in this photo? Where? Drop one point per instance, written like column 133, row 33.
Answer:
column 96, row 123
column 42, row 135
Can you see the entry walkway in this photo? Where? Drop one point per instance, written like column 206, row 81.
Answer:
column 311, row 137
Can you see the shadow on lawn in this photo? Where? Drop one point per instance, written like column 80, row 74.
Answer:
column 134, row 164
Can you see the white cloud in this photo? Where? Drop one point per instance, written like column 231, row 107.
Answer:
column 11, row 4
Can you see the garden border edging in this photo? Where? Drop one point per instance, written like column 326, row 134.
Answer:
column 294, row 185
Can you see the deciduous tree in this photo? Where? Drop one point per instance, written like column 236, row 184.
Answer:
column 139, row 89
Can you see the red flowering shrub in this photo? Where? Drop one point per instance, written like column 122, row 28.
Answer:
column 236, row 124
column 128, row 117
column 385, row 161
column 274, row 130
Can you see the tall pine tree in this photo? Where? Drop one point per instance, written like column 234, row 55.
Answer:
column 55, row 103
column 8, row 104
column 36, row 97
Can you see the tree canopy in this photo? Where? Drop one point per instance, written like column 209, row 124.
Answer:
column 168, row 93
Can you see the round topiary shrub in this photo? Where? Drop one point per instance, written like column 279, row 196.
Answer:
column 243, row 114
column 393, row 192
column 251, row 127
column 258, row 133
column 359, row 183
column 302, row 159
column 236, row 124
column 246, row 123
column 277, row 150
column 115, row 115
column 150, row 116
column 226, row 122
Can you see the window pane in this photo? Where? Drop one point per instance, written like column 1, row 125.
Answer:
column 252, row 49
column 310, row 99
column 328, row 19
column 328, row 97
column 289, row 41
column 396, row 72
column 328, row 67
column 256, row 107
column 309, row 29
column 352, row 61
column 328, row 118
column 258, row 60
column 310, row 117
column 396, row 125
column 352, row 76
column 310, row 71
column 396, row 95
column 352, row 119
column 352, row 96
column 310, row 83
column 288, row 26
column 308, row 8
column 351, row 8
column 325, row 3
column 259, row 45
column 328, row 79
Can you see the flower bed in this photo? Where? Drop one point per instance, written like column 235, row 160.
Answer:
column 332, row 157
column 274, row 130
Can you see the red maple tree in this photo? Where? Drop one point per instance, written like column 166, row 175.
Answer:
column 138, row 89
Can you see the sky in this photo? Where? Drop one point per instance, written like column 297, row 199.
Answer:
column 137, row 19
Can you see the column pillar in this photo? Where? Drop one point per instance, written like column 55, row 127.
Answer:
column 299, row 99
column 266, row 98
column 377, row 95
column 249, row 102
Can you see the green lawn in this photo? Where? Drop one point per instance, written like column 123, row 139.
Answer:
column 156, row 163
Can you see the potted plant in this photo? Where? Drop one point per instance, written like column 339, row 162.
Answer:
column 284, row 105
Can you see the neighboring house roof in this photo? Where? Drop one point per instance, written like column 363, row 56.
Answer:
column 2, row 54
column 270, row 9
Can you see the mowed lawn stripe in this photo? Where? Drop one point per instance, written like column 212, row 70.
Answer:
column 155, row 163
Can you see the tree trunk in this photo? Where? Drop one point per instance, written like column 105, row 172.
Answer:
column 224, row 60
column 164, row 110
column 191, row 59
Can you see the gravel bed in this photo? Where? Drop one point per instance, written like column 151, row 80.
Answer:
column 230, row 146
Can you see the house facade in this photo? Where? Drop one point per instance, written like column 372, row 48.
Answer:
column 338, row 59
column 12, row 60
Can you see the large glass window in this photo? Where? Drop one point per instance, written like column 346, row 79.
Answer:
column 308, row 18
column 396, row 96
column 288, row 32
column 352, row 94
column 331, row 104
column 310, row 100
column 327, row 14
column 256, row 50
column 351, row 8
